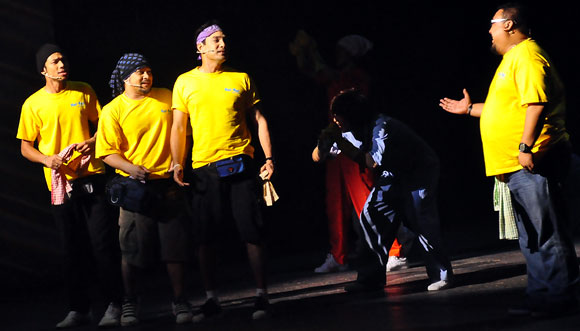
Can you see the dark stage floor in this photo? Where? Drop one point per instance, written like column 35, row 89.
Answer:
column 486, row 285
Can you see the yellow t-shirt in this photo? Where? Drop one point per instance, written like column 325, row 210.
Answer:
column 139, row 130
column 217, row 105
column 58, row 120
column 524, row 76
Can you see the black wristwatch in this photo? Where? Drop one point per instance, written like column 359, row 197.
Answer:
column 525, row 148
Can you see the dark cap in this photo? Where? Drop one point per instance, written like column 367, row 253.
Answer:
column 43, row 53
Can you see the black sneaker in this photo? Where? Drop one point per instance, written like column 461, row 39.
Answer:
column 261, row 308
column 547, row 311
column 129, row 312
column 554, row 310
column 211, row 308
column 182, row 312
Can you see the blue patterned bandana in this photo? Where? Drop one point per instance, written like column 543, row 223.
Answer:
column 126, row 66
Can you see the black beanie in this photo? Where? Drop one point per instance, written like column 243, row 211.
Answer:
column 43, row 53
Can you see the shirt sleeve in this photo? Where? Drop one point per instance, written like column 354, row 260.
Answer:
column 109, row 134
column 531, row 77
column 28, row 127
column 253, row 95
column 93, row 106
column 177, row 101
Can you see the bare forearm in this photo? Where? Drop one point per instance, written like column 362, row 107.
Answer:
column 265, row 142
column 532, row 124
column 476, row 109
column 177, row 144
column 32, row 154
column 178, row 137
column 118, row 162
column 264, row 134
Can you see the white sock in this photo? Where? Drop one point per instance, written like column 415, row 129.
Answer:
column 212, row 295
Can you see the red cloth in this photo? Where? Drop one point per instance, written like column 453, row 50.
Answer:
column 60, row 186
column 346, row 187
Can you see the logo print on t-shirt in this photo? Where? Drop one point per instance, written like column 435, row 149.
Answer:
column 232, row 90
column 78, row 104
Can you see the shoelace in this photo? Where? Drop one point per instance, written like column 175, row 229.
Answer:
column 129, row 309
column 181, row 308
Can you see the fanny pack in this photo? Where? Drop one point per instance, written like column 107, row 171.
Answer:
column 130, row 194
column 230, row 166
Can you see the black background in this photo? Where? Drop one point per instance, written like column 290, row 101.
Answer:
column 423, row 51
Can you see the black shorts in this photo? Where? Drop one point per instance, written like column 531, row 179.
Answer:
column 216, row 201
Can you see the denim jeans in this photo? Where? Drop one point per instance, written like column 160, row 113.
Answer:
column 544, row 237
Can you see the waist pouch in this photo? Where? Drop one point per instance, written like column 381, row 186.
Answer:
column 130, row 194
column 230, row 166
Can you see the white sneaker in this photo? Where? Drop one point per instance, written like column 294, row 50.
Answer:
column 395, row 263
column 261, row 308
column 129, row 313
column 182, row 312
column 330, row 265
column 112, row 316
column 439, row 285
column 74, row 318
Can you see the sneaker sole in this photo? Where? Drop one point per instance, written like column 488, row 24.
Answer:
column 260, row 315
column 179, row 319
column 129, row 323
column 202, row 318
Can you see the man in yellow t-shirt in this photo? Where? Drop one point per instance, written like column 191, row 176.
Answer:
column 133, row 138
column 217, row 100
column 60, row 117
column 526, row 146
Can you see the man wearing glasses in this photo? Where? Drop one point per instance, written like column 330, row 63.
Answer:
column 527, row 149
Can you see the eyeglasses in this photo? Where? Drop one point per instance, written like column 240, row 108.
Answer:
column 498, row 20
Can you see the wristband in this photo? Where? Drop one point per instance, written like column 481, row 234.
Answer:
column 271, row 158
column 469, row 108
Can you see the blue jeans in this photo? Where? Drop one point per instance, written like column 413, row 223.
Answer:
column 544, row 237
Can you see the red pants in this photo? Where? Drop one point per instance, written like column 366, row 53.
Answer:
column 346, row 187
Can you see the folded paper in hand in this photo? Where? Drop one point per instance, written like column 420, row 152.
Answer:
column 269, row 193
